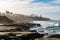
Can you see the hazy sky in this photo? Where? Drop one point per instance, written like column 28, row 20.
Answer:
column 47, row 8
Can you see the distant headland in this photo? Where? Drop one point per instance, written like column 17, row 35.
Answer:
column 17, row 21
column 39, row 18
column 11, row 18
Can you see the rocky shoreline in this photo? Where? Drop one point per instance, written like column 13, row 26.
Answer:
column 25, row 36
column 19, row 35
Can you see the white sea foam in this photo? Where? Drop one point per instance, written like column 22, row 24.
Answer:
column 50, row 27
column 45, row 24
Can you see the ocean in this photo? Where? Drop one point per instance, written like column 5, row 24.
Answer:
column 50, row 27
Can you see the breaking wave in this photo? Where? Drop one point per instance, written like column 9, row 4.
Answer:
column 45, row 24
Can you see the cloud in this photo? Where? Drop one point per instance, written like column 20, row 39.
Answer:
column 25, row 6
column 49, row 2
column 45, row 1
column 28, row 7
column 9, row 0
column 13, row 5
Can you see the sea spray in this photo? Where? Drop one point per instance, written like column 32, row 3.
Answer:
column 50, row 27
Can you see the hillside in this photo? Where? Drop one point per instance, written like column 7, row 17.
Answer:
column 39, row 18
column 13, row 22
column 17, row 22
column 13, row 18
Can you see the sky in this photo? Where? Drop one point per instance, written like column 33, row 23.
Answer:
column 46, row 8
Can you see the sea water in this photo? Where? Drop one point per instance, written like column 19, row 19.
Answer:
column 51, row 26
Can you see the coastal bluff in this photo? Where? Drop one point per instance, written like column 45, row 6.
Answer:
column 10, row 21
column 8, row 18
